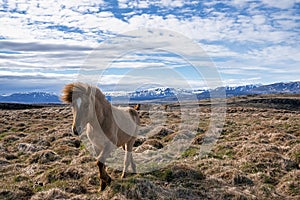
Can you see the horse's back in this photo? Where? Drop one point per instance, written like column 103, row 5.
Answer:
column 126, row 120
column 131, row 112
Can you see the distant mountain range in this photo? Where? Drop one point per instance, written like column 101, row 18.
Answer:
column 162, row 94
column 276, row 88
column 172, row 94
column 30, row 98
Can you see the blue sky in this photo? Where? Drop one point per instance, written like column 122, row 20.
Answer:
column 45, row 44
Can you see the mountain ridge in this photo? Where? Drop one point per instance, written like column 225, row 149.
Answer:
column 163, row 93
column 30, row 97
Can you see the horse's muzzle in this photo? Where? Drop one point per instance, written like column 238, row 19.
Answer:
column 77, row 130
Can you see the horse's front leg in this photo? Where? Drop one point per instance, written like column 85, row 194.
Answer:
column 105, row 179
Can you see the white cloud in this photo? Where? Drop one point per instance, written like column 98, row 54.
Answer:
column 277, row 54
column 240, row 3
column 265, row 36
column 216, row 51
column 258, row 19
column 217, row 27
column 147, row 3
column 172, row 3
column 123, row 3
column 37, row 75
column 245, row 81
column 280, row 4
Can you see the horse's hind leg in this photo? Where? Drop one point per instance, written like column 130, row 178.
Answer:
column 128, row 158
column 133, row 166
column 130, row 147
column 126, row 163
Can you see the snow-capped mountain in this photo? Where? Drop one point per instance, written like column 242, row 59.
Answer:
column 292, row 87
column 237, row 91
column 30, row 97
column 276, row 88
column 153, row 93
column 163, row 93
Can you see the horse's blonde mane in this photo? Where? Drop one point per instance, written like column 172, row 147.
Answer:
column 67, row 93
column 79, row 88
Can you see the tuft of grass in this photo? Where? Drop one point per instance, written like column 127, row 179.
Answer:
column 14, row 129
column 164, row 175
column 222, row 153
column 269, row 180
column 2, row 135
column 124, row 185
column 249, row 168
column 297, row 156
column 190, row 152
column 20, row 178
column 81, row 147
column 294, row 189
column 167, row 175
column 38, row 188
column 214, row 155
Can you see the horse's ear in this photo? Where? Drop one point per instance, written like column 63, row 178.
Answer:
column 137, row 107
column 91, row 91
column 88, row 91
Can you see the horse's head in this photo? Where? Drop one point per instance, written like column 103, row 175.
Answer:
column 82, row 103
column 80, row 108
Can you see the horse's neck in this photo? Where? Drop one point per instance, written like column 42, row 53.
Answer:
column 102, row 109
column 97, row 119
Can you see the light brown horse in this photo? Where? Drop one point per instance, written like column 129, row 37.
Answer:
column 106, row 127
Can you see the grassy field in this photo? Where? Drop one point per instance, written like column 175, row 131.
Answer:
column 256, row 154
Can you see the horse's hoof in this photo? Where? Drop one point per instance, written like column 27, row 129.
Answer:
column 123, row 175
column 109, row 180
column 102, row 185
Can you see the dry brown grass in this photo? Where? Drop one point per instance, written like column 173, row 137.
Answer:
column 257, row 155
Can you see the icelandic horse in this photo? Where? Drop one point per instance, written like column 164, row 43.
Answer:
column 106, row 126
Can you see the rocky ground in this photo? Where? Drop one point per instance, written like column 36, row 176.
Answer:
column 256, row 155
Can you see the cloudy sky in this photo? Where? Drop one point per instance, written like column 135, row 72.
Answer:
column 45, row 44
